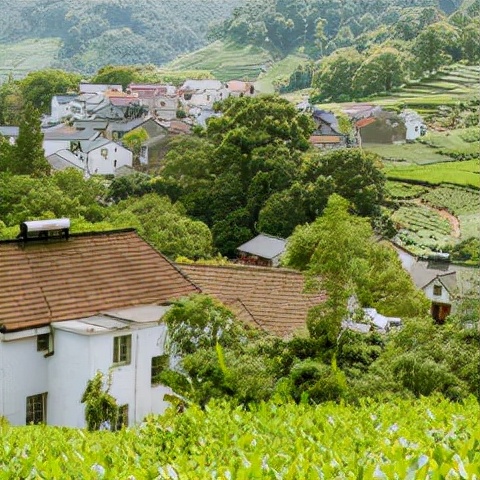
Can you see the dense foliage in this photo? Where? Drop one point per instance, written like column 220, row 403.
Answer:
column 427, row 438
column 252, row 170
column 96, row 33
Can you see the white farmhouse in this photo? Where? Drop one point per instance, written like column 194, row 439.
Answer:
column 60, row 107
column 103, row 156
column 75, row 304
column 414, row 124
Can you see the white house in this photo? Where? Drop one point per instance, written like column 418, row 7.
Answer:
column 62, row 137
column 414, row 124
column 202, row 93
column 60, row 107
column 103, row 156
column 75, row 304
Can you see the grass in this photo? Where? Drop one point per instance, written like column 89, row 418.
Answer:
column 466, row 173
column 451, row 142
column 18, row 59
column 279, row 71
column 226, row 61
column 416, row 153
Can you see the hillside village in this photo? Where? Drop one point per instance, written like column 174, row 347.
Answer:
column 85, row 131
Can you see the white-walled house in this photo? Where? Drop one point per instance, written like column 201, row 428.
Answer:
column 75, row 304
column 103, row 156
column 60, row 107
column 414, row 124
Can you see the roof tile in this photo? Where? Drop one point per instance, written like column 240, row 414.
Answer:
column 42, row 282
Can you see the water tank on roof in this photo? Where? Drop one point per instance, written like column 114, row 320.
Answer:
column 45, row 228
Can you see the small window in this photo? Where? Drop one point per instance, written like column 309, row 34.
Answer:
column 122, row 349
column 437, row 290
column 122, row 417
column 115, row 163
column 159, row 364
column 104, row 152
column 36, row 409
column 43, row 342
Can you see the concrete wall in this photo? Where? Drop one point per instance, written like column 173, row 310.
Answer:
column 23, row 372
column 76, row 359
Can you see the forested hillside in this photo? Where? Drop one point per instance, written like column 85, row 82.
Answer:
column 94, row 33
column 98, row 32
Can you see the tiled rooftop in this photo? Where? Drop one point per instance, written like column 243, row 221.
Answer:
column 270, row 298
column 55, row 280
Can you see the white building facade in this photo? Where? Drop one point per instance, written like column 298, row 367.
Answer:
column 45, row 370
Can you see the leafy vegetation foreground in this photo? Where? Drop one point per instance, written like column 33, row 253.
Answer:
column 427, row 438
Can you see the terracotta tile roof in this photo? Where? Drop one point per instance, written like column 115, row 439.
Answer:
column 316, row 139
column 271, row 298
column 54, row 280
column 364, row 122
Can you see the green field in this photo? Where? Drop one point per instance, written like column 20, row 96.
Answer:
column 416, row 153
column 451, row 85
column 422, row 228
column 17, row 59
column 465, row 173
column 226, row 61
column 279, row 71
column 405, row 439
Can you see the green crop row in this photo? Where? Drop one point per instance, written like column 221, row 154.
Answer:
column 466, row 173
column 418, row 439
column 455, row 200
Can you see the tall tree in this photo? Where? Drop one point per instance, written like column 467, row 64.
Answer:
column 432, row 46
column 380, row 72
column 39, row 87
column 334, row 78
column 29, row 155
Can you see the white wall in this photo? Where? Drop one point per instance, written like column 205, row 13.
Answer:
column 78, row 357
column 64, row 375
column 23, row 372
column 107, row 166
column 443, row 298
column 59, row 111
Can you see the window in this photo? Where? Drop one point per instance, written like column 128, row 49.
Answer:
column 36, row 409
column 159, row 364
column 43, row 342
column 122, row 417
column 104, row 152
column 122, row 349
column 437, row 290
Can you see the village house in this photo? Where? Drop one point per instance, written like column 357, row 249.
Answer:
column 161, row 100
column 201, row 93
column 382, row 127
column 60, row 107
column 272, row 299
column 263, row 250
column 238, row 88
column 443, row 283
column 414, row 124
column 86, row 87
column 76, row 304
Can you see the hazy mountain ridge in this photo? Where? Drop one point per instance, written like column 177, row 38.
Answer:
column 95, row 33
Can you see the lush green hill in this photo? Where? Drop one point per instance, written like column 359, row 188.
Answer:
column 427, row 438
column 98, row 32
